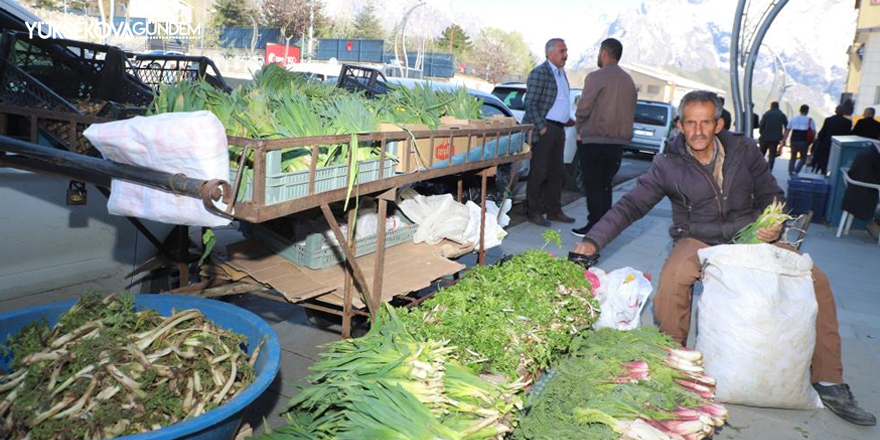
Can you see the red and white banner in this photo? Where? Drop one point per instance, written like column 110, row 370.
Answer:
column 275, row 54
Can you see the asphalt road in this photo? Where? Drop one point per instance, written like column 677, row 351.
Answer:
column 633, row 166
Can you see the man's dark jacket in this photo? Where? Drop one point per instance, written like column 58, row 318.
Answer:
column 867, row 127
column 834, row 125
column 700, row 209
column 772, row 125
column 540, row 96
column 858, row 200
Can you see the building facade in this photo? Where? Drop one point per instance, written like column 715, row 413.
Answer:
column 863, row 79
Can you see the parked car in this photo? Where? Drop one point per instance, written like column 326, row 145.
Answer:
column 652, row 127
column 513, row 95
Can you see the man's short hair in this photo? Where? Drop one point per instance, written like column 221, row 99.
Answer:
column 551, row 44
column 613, row 48
column 774, row 105
column 805, row 109
column 869, row 112
column 701, row 96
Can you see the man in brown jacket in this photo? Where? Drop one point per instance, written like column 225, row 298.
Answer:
column 718, row 182
column 604, row 123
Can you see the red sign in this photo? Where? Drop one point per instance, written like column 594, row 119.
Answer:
column 441, row 152
column 275, row 54
column 348, row 46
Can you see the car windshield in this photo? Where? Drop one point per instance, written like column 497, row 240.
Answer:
column 651, row 114
column 513, row 98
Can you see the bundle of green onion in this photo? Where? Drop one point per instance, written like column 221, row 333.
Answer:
column 773, row 216
column 391, row 385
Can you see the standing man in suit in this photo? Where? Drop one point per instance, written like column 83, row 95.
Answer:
column 605, row 117
column 772, row 127
column 548, row 107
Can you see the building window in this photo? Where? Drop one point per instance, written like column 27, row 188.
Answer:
column 653, row 90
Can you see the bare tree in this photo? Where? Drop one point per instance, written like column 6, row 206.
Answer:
column 490, row 58
column 291, row 17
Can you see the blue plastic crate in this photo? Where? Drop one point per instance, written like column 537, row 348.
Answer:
column 807, row 194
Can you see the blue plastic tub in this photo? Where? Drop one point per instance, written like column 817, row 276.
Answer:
column 223, row 422
column 806, row 194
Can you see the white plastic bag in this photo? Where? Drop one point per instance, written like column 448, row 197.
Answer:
column 193, row 144
column 622, row 294
column 495, row 223
column 756, row 325
column 438, row 217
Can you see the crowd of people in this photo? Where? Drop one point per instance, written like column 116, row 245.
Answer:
column 717, row 180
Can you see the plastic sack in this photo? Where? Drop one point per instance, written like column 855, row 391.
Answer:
column 193, row 144
column 756, row 325
column 496, row 220
column 438, row 216
column 622, row 295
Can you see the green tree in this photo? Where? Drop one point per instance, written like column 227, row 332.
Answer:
column 455, row 41
column 366, row 23
column 231, row 13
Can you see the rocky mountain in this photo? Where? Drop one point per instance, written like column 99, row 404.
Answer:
column 693, row 38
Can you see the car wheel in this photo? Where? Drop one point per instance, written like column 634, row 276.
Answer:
column 578, row 174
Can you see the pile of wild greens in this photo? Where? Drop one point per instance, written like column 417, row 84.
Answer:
column 512, row 318
column 627, row 385
column 390, row 385
column 106, row 370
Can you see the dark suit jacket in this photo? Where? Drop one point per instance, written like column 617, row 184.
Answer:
column 540, row 97
column 858, row 200
column 868, row 128
column 772, row 125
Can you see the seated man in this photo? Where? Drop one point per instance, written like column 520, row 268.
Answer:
column 718, row 182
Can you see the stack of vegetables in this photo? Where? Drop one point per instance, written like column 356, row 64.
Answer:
column 511, row 318
column 105, row 370
column 391, row 385
column 773, row 217
column 281, row 104
column 635, row 385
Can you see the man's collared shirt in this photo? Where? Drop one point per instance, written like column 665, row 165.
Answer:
column 561, row 110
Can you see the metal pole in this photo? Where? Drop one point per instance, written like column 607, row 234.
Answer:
column 750, row 65
column 734, row 60
column 403, row 38
column 311, row 26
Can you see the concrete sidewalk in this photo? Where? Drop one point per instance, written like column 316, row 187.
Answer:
column 852, row 262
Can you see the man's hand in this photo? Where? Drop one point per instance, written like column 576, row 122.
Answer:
column 542, row 131
column 769, row 235
column 585, row 247
column 570, row 123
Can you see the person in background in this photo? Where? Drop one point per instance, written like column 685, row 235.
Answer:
column 798, row 128
column 859, row 201
column 548, row 107
column 717, row 183
column 867, row 126
column 772, row 128
column 605, row 117
column 725, row 115
column 836, row 125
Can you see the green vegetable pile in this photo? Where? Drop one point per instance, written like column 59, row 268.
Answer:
column 512, row 318
column 279, row 104
column 390, row 385
column 106, row 370
column 773, row 216
column 636, row 384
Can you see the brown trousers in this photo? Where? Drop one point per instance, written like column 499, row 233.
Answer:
column 672, row 307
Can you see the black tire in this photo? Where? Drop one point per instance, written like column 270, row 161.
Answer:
column 577, row 174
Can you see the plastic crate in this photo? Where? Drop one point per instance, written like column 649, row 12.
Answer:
column 155, row 70
column 313, row 254
column 281, row 187
column 807, row 194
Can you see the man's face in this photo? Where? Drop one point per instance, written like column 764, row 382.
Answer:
column 558, row 55
column 599, row 59
column 699, row 125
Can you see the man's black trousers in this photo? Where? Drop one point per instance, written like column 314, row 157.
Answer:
column 546, row 172
column 599, row 164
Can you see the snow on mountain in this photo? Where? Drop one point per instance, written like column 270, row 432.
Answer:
column 809, row 36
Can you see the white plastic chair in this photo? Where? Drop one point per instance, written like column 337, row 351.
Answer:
column 846, row 218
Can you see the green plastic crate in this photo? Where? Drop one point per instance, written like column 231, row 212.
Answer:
column 313, row 255
column 281, row 187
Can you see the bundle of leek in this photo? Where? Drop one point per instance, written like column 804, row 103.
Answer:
column 772, row 217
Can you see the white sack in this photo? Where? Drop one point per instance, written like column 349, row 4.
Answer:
column 438, row 216
column 756, row 325
column 622, row 295
column 495, row 223
column 193, row 144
